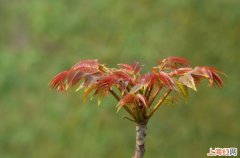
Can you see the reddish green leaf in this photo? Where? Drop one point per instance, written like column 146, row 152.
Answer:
column 165, row 79
column 188, row 81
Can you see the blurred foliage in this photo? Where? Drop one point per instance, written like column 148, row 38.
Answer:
column 40, row 38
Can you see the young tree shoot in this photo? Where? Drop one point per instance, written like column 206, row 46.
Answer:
column 139, row 94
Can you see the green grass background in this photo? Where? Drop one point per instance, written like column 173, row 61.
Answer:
column 39, row 38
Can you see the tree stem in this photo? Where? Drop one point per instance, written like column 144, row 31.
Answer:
column 141, row 130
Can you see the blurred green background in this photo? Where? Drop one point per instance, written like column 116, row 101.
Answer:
column 39, row 38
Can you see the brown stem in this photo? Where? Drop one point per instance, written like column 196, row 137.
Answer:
column 114, row 94
column 141, row 130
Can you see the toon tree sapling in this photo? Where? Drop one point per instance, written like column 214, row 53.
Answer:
column 140, row 95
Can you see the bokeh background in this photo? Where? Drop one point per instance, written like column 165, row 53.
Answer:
column 39, row 38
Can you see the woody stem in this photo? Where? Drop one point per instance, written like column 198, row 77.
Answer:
column 141, row 132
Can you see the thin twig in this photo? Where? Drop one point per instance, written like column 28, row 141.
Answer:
column 138, row 113
column 159, row 103
column 114, row 94
column 146, row 92
column 149, row 92
column 125, row 117
column 143, row 112
column 154, row 97
column 128, row 89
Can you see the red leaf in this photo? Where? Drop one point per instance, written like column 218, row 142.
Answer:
column 74, row 77
column 217, row 79
column 123, row 86
column 85, row 69
column 178, row 60
column 180, row 71
column 59, row 81
column 126, row 67
column 173, row 62
column 87, row 63
column 148, row 79
column 90, row 80
column 87, row 66
column 106, row 82
column 124, row 76
column 210, row 73
column 128, row 98
column 203, row 72
column 132, row 99
column 212, row 69
column 141, row 98
column 131, row 69
column 136, row 68
column 165, row 79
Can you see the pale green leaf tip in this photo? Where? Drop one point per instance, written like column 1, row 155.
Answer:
column 118, row 109
column 99, row 101
column 79, row 87
column 195, row 89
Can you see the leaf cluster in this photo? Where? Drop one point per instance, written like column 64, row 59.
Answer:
column 134, row 91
